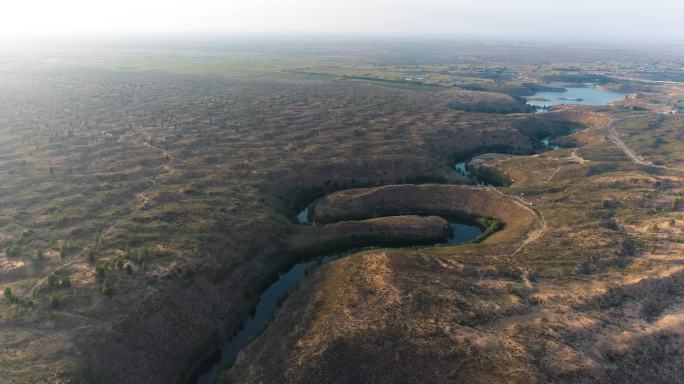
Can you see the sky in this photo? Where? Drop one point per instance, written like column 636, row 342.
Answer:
column 622, row 20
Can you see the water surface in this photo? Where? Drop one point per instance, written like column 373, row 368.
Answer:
column 463, row 231
column 585, row 96
column 461, row 168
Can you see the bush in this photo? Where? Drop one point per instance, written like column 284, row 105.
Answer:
column 54, row 301
column 66, row 282
column 142, row 253
column 13, row 250
column 106, row 288
column 9, row 296
column 100, row 271
column 52, row 280
column 91, row 255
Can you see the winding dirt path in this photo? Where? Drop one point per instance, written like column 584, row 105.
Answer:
column 534, row 235
column 617, row 140
column 573, row 158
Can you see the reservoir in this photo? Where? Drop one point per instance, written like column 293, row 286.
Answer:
column 585, row 96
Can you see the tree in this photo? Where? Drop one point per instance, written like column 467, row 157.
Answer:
column 38, row 256
column 8, row 293
column 52, row 280
column 9, row 296
column 66, row 282
column 13, row 250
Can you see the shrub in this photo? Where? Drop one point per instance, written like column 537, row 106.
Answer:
column 100, row 271
column 52, row 280
column 106, row 288
column 91, row 255
column 54, row 301
column 66, row 282
column 13, row 250
column 9, row 296
column 141, row 255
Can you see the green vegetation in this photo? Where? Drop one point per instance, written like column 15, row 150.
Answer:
column 580, row 78
column 54, row 301
column 208, row 345
column 13, row 250
column 52, row 280
column 491, row 225
column 9, row 296
column 106, row 288
column 492, row 176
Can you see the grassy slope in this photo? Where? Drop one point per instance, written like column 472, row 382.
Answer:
column 190, row 181
column 596, row 297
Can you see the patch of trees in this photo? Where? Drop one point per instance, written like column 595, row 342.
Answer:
column 580, row 78
column 662, row 75
column 492, row 176
column 493, row 148
column 493, row 106
column 525, row 89
column 397, row 81
column 490, row 225
column 657, row 123
column 185, row 372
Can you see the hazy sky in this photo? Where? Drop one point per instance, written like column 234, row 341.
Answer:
column 547, row 19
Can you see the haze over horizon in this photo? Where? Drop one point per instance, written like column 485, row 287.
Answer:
column 607, row 20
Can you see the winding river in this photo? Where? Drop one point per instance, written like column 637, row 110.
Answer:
column 462, row 230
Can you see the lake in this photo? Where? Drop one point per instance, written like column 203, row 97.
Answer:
column 584, row 96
